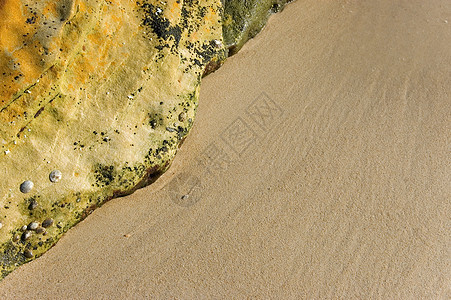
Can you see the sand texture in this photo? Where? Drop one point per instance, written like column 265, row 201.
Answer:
column 318, row 167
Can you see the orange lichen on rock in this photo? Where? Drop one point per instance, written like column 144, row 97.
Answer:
column 12, row 24
column 50, row 9
column 30, row 43
column 18, row 61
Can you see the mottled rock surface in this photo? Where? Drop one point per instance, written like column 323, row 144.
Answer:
column 95, row 98
column 242, row 20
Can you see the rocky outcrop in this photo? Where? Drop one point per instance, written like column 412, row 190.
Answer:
column 96, row 97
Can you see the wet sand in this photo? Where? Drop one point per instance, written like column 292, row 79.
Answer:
column 318, row 167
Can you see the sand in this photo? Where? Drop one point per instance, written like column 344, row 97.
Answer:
column 318, row 167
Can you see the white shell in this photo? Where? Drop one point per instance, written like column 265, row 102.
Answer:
column 55, row 176
column 26, row 186
column 26, row 235
column 33, row 225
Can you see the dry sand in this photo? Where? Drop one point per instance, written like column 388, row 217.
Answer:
column 319, row 167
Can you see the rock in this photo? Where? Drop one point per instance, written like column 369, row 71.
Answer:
column 91, row 90
column 244, row 19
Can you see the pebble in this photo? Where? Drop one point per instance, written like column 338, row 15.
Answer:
column 26, row 186
column 182, row 116
column 40, row 230
column 33, row 225
column 16, row 238
column 26, row 235
column 24, row 228
column 55, row 176
column 28, row 253
column 47, row 223
column 1, row 225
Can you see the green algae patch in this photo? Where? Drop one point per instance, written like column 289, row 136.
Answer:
column 244, row 19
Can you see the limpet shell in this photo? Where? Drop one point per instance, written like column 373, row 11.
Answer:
column 47, row 223
column 33, row 225
column 26, row 235
column 28, row 253
column 26, row 186
column 55, row 176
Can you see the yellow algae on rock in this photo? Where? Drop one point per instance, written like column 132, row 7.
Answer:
column 92, row 89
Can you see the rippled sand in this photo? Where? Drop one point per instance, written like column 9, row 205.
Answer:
column 318, row 167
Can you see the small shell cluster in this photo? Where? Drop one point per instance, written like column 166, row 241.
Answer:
column 34, row 226
column 30, row 229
